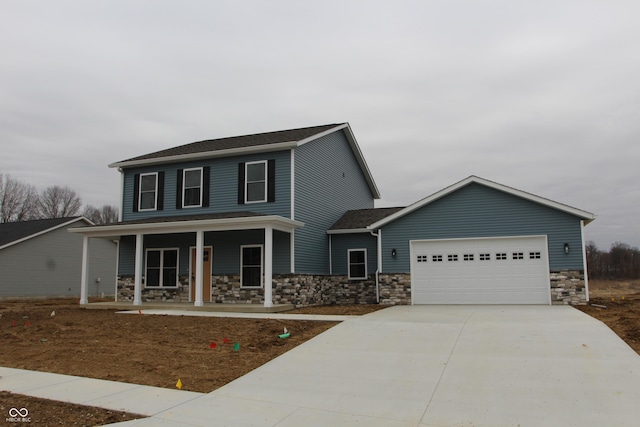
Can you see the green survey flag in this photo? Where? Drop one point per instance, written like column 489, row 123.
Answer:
column 236, row 347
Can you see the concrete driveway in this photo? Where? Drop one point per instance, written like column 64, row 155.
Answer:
column 437, row 366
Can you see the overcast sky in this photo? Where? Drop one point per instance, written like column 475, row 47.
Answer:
column 543, row 96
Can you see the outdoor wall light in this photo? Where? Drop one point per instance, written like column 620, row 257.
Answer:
column 393, row 253
column 566, row 248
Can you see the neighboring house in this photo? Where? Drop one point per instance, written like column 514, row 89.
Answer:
column 42, row 259
column 215, row 220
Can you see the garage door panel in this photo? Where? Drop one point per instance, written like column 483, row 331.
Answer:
column 480, row 271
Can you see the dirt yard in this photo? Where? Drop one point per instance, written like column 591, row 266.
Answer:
column 157, row 350
column 622, row 312
column 203, row 352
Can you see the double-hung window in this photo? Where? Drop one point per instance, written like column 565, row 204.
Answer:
column 192, row 188
column 148, row 191
column 256, row 182
column 251, row 266
column 161, row 268
column 357, row 263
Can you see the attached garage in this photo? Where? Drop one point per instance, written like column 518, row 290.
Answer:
column 474, row 242
column 512, row 270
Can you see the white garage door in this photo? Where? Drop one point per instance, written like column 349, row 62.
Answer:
column 511, row 270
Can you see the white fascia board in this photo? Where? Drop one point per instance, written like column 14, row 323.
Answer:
column 207, row 155
column 356, row 151
column 349, row 231
column 224, row 224
column 40, row 233
column 587, row 216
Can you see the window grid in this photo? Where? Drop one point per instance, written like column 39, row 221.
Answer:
column 452, row 257
column 468, row 257
column 422, row 258
column 436, row 258
column 517, row 255
column 501, row 256
column 534, row 255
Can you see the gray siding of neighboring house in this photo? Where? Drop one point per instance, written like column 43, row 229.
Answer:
column 223, row 190
column 328, row 182
column 480, row 211
column 341, row 243
column 50, row 265
column 226, row 250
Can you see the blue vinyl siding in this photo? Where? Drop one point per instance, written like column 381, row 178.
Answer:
column 480, row 211
column 226, row 249
column 341, row 243
column 328, row 182
column 223, row 192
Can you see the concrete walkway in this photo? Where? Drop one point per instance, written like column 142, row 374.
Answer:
column 429, row 366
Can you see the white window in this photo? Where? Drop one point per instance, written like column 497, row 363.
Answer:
column 468, row 257
column 534, row 255
column 192, row 188
column 251, row 266
column 256, row 182
column 148, row 191
column 501, row 256
column 452, row 257
column 422, row 258
column 485, row 257
column 161, row 268
column 517, row 255
column 357, row 263
column 436, row 258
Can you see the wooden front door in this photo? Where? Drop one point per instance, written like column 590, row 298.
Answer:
column 206, row 274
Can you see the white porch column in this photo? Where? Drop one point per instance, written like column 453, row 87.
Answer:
column 199, row 255
column 268, row 266
column 139, row 260
column 85, row 270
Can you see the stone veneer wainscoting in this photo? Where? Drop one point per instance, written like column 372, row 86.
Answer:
column 566, row 287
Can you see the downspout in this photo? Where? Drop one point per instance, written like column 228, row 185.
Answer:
column 584, row 262
column 378, row 235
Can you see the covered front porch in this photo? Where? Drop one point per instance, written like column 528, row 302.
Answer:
column 167, row 252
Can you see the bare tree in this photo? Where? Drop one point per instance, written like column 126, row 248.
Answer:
column 18, row 200
column 105, row 215
column 59, row 202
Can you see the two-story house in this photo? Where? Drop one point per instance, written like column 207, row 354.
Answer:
column 289, row 217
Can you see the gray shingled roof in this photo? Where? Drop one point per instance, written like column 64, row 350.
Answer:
column 13, row 231
column 180, row 218
column 361, row 218
column 233, row 142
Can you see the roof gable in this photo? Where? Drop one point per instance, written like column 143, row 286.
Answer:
column 12, row 233
column 231, row 145
column 587, row 216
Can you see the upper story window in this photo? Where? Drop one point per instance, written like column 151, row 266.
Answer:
column 192, row 188
column 148, row 191
column 257, row 182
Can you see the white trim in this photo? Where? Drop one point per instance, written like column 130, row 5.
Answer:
column 474, row 179
column 268, row 267
column 321, row 134
column 84, row 271
column 584, row 262
column 221, row 224
column 350, row 231
column 279, row 146
column 330, row 255
column 292, row 173
column 40, row 233
column 121, row 193
column 292, row 244
column 349, row 263
column 115, row 295
column 155, row 193
column 184, row 187
column 246, row 181
column 204, row 248
column 261, row 246
column 162, row 250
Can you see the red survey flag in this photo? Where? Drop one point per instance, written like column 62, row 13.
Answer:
column 212, row 345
